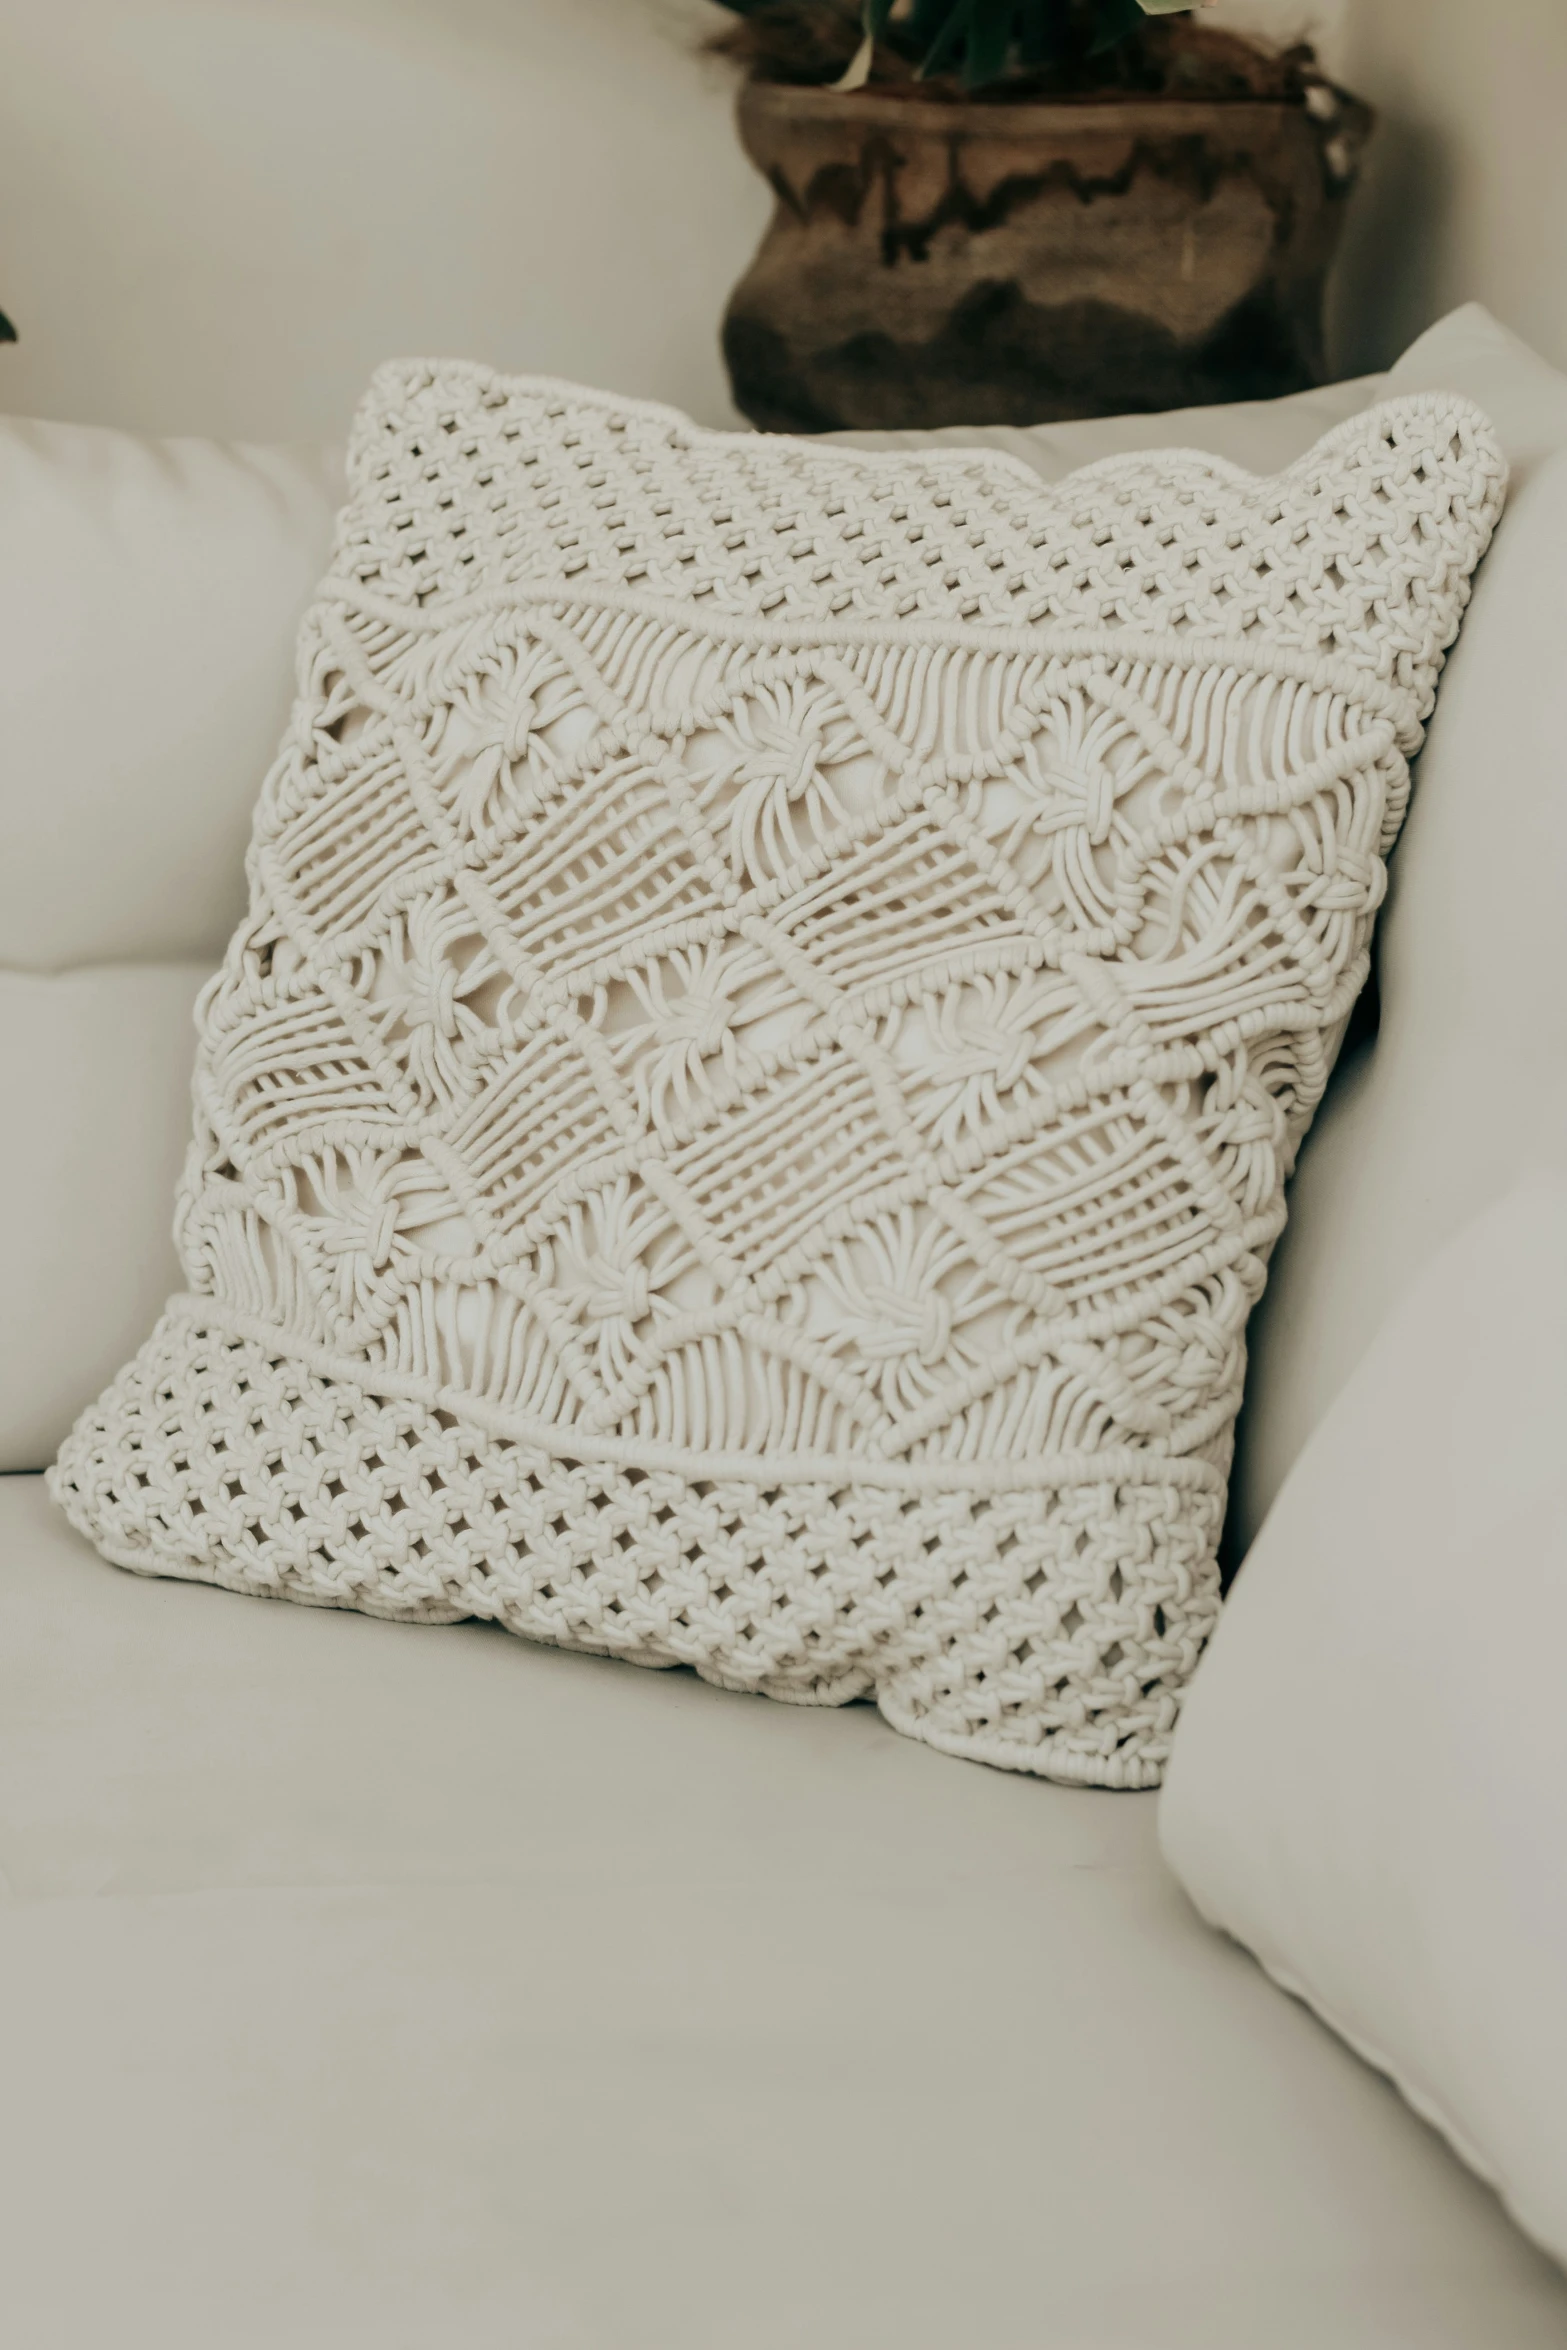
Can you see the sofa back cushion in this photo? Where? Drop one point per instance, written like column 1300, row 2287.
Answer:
column 1466, row 1077
column 151, row 590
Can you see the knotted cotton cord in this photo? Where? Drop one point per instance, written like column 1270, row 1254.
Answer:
column 781, row 990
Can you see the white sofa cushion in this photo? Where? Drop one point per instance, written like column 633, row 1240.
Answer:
column 1264, row 436
column 1369, row 1784
column 746, row 1116
column 1467, row 1076
column 1469, row 351
column 370, row 1991
column 151, row 593
column 95, row 1082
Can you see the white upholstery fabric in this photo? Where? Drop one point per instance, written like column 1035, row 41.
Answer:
column 149, row 596
column 371, row 1988
column 1262, row 435
column 1471, row 352
column 95, row 1082
column 1369, row 1785
column 150, row 592
column 1468, row 1075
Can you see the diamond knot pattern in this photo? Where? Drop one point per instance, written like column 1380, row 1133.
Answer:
column 781, row 991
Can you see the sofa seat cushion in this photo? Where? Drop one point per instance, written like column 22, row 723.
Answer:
column 390, row 1988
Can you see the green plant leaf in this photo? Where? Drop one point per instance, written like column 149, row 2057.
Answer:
column 924, row 22
column 948, row 38
column 1041, row 36
column 988, row 42
column 873, row 17
column 981, row 38
column 1118, row 18
column 857, row 72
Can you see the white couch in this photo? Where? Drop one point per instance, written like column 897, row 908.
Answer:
column 366, row 1986
column 371, row 1989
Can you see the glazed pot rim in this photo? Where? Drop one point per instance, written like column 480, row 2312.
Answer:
column 819, row 102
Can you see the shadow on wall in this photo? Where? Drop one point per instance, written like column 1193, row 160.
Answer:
column 1465, row 197
column 1389, row 280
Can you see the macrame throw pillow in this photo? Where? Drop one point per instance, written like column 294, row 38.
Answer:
column 781, row 990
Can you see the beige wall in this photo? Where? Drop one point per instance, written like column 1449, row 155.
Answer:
column 217, row 215
column 1466, row 197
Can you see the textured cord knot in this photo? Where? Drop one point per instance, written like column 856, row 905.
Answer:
column 700, row 1020
column 920, row 1325
column 614, row 1293
column 1095, row 787
column 432, row 998
column 1009, row 1051
column 364, row 1229
column 520, row 723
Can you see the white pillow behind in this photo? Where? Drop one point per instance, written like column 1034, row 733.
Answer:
column 1369, row 1783
column 1469, row 351
column 1468, row 1074
column 1264, row 436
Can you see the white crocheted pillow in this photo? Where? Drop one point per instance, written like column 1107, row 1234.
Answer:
column 781, row 989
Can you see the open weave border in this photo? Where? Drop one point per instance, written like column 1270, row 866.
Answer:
column 781, row 990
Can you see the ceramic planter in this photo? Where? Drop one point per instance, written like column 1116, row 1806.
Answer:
column 980, row 263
